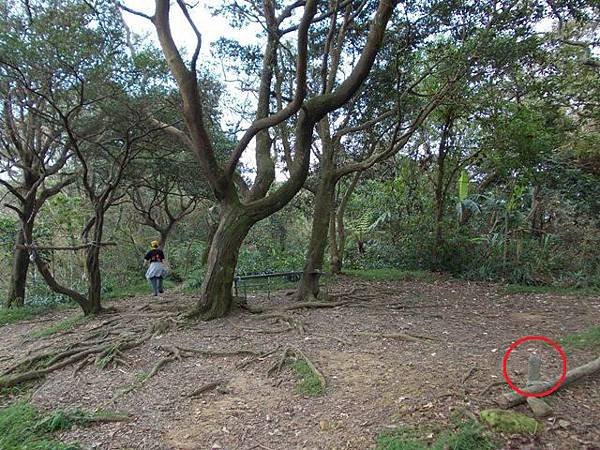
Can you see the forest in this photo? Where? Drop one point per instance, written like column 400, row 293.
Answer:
column 300, row 224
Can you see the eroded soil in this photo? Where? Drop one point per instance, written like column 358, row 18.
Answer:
column 375, row 383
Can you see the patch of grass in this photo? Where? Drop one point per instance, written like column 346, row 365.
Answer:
column 142, row 376
column 308, row 383
column 13, row 315
column 19, row 430
column 466, row 435
column 557, row 290
column 392, row 274
column 108, row 356
column 138, row 287
column 28, row 312
column 586, row 339
column 64, row 325
column 65, row 420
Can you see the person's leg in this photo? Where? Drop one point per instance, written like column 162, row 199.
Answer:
column 160, row 285
column 154, row 283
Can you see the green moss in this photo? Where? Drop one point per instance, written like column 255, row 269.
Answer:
column 308, row 383
column 510, row 422
column 466, row 435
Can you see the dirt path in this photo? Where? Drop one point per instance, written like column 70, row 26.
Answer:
column 374, row 383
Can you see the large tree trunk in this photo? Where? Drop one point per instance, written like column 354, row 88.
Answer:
column 18, row 279
column 216, row 296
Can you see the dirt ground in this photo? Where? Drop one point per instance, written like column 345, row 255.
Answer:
column 374, row 383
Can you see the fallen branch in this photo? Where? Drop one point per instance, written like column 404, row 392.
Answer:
column 513, row 399
column 206, row 387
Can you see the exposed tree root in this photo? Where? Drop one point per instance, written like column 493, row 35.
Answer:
column 102, row 351
column 514, row 399
column 469, row 374
column 297, row 354
column 401, row 336
column 295, row 306
column 335, row 338
column 493, row 384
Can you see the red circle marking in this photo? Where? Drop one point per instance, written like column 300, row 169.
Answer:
column 547, row 341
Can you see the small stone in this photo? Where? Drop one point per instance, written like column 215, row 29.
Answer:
column 324, row 425
column 539, row 407
column 563, row 423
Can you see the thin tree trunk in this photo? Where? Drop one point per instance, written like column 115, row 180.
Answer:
column 308, row 286
column 440, row 194
column 18, row 279
column 92, row 264
column 335, row 249
column 338, row 230
column 216, row 296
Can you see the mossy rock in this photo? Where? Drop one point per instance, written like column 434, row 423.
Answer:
column 510, row 422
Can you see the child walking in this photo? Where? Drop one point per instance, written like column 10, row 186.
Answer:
column 157, row 270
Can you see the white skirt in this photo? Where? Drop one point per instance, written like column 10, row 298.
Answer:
column 156, row 270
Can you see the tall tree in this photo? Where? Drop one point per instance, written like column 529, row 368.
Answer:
column 241, row 206
column 79, row 86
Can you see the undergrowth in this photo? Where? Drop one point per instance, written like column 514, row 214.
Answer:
column 23, row 427
column 20, row 429
column 308, row 383
column 466, row 435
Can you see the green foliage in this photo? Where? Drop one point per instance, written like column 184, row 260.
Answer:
column 64, row 325
column 19, row 429
column 465, row 436
column 463, row 185
column 308, row 382
column 586, row 339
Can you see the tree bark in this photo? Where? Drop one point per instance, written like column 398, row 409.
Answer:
column 336, row 245
column 92, row 265
column 308, row 286
column 337, row 230
column 216, row 296
column 18, row 279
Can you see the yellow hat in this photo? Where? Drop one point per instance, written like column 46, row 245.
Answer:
column 154, row 244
